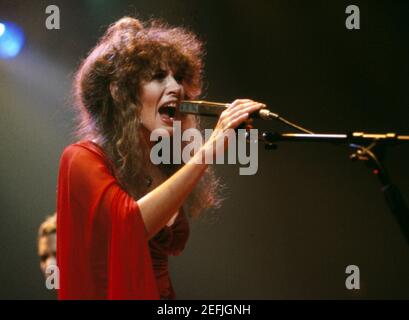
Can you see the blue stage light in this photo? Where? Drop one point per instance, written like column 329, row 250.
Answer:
column 11, row 40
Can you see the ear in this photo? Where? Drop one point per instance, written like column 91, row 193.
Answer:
column 113, row 88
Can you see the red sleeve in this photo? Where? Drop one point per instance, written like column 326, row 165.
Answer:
column 102, row 252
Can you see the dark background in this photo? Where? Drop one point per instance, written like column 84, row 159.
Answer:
column 287, row 232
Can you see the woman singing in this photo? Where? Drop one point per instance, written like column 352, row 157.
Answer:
column 120, row 216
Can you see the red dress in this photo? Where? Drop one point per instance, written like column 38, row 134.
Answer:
column 102, row 252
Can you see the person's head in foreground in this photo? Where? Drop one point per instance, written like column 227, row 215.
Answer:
column 47, row 243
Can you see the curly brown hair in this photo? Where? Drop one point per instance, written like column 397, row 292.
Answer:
column 106, row 94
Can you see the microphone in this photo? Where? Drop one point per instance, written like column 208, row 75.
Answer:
column 214, row 109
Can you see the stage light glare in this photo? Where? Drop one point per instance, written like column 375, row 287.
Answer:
column 11, row 40
column 2, row 29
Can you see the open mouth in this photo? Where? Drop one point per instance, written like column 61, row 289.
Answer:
column 167, row 112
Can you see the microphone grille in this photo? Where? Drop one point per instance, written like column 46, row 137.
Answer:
column 267, row 114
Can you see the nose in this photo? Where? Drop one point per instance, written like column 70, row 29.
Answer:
column 173, row 87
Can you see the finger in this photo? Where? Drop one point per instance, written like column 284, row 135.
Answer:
column 237, row 105
column 238, row 102
column 226, row 122
column 248, row 109
column 236, row 121
column 246, row 105
column 243, row 101
column 227, row 118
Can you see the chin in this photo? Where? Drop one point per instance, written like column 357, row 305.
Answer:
column 168, row 129
column 162, row 127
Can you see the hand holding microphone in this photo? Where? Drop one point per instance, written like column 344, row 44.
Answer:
column 231, row 116
column 216, row 109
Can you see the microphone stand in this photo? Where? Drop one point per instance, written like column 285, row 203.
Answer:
column 369, row 148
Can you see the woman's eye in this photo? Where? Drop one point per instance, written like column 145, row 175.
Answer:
column 160, row 75
column 179, row 78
